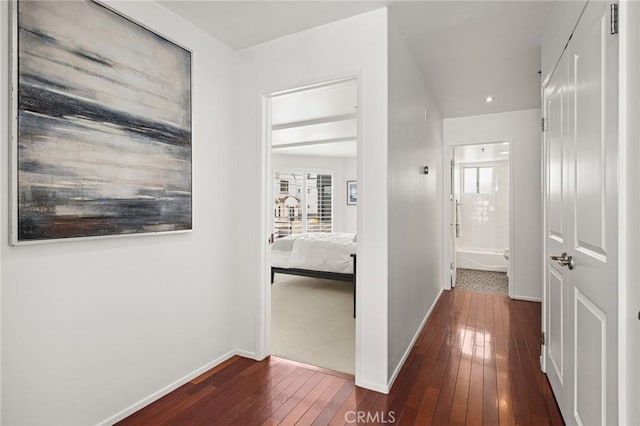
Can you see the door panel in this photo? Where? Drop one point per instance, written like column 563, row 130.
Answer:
column 590, row 143
column 590, row 362
column 555, row 331
column 555, row 198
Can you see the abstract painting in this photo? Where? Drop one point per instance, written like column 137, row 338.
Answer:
column 102, row 143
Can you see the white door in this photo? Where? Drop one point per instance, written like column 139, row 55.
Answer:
column 556, row 312
column 581, row 291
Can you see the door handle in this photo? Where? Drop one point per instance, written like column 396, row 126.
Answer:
column 564, row 260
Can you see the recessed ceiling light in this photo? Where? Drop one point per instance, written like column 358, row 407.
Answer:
column 504, row 152
column 489, row 99
column 505, row 143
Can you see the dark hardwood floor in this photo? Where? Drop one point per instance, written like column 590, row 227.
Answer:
column 475, row 363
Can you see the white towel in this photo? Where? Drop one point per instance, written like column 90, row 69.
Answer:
column 458, row 225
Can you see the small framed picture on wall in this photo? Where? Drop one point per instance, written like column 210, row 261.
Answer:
column 352, row 192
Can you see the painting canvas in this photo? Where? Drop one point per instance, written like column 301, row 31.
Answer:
column 352, row 192
column 102, row 142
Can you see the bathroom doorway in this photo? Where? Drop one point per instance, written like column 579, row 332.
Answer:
column 481, row 217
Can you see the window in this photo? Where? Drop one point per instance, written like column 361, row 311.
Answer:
column 477, row 180
column 303, row 203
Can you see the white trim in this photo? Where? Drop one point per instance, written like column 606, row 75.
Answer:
column 247, row 354
column 265, row 180
column 265, row 183
column 623, row 209
column 527, row 298
column 374, row 387
column 447, row 158
column 5, row 13
column 628, row 208
column 360, row 168
column 543, row 204
column 447, row 206
column 393, row 377
column 171, row 387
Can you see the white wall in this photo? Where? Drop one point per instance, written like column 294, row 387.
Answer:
column 355, row 46
column 91, row 327
column 522, row 128
column 415, row 212
column 342, row 169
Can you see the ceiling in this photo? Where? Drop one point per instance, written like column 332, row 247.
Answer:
column 320, row 121
column 470, row 50
column 241, row 24
column 467, row 50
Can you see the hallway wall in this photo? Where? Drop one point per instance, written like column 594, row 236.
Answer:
column 522, row 128
column 352, row 47
column 415, row 213
column 90, row 328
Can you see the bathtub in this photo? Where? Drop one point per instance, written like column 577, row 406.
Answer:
column 482, row 260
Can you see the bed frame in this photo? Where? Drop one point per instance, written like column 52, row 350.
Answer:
column 336, row 276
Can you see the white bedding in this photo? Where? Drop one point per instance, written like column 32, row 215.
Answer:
column 327, row 252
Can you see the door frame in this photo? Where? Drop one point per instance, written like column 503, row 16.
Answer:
column 447, row 243
column 265, row 175
column 629, row 211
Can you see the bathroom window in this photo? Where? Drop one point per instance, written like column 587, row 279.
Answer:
column 477, row 180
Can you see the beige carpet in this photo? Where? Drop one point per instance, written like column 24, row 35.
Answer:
column 312, row 322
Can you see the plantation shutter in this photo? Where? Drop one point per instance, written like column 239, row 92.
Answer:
column 303, row 203
column 319, row 200
column 288, row 206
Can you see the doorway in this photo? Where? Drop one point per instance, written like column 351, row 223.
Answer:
column 480, row 241
column 311, row 136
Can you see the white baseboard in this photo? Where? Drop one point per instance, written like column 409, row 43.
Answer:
column 413, row 342
column 527, row 298
column 381, row 388
column 172, row 386
column 247, row 354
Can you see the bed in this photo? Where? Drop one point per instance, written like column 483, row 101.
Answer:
column 325, row 255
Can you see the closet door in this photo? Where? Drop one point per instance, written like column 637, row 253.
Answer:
column 582, row 285
column 594, row 217
column 557, row 334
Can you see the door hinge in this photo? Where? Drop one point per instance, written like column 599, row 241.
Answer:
column 453, row 163
column 542, row 339
column 614, row 18
column 543, row 124
column 272, row 238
